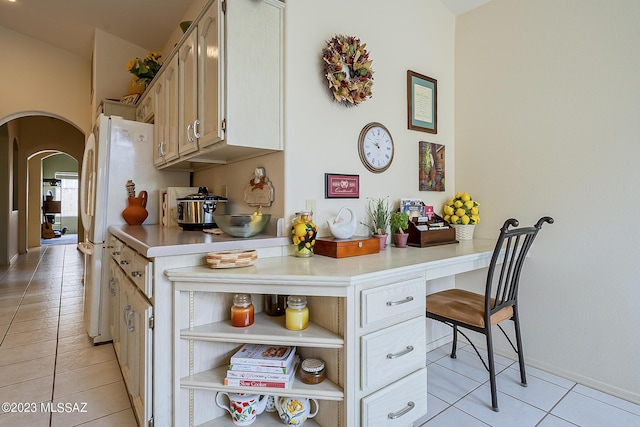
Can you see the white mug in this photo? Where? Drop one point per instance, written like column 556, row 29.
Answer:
column 243, row 408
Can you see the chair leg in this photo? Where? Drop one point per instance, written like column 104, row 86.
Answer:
column 516, row 321
column 492, row 370
column 455, row 342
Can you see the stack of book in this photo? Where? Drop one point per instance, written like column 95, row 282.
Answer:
column 261, row 365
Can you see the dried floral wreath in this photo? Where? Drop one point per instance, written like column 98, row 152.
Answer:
column 348, row 69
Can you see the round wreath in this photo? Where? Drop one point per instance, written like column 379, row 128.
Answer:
column 348, row 69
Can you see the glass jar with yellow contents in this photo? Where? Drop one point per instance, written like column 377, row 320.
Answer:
column 303, row 234
column 297, row 313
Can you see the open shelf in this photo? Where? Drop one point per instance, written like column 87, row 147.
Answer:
column 265, row 330
column 266, row 419
column 213, row 379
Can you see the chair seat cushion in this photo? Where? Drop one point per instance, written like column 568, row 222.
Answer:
column 464, row 307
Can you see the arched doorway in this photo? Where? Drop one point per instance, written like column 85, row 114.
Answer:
column 59, row 200
column 36, row 134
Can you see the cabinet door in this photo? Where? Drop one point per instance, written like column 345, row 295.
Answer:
column 188, row 77
column 114, row 305
column 124, row 311
column 140, row 339
column 171, row 83
column 159, row 122
column 210, row 76
column 145, row 109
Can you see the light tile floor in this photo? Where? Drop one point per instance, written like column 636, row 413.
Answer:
column 459, row 395
column 46, row 359
column 49, row 370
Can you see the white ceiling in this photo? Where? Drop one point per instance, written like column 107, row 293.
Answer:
column 70, row 24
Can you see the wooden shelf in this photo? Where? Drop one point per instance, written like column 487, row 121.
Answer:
column 213, row 379
column 265, row 330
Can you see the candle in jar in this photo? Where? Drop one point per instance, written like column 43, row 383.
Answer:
column 297, row 313
column 242, row 310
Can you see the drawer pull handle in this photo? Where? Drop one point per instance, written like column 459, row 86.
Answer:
column 136, row 274
column 407, row 350
column 395, row 415
column 124, row 262
column 404, row 301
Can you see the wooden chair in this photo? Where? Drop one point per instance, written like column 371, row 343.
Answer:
column 460, row 308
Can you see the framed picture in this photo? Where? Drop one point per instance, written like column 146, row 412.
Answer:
column 341, row 186
column 430, row 166
column 422, row 102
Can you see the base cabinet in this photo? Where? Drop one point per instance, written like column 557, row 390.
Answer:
column 131, row 323
column 370, row 332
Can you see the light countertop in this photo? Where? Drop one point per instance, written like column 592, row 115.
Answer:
column 156, row 240
column 435, row 262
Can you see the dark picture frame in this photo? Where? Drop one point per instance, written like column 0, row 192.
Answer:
column 341, row 186
column 422, row 102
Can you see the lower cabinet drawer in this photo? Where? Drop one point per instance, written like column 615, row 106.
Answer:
column 391, row 353
column 141, row 274
column 399, row 404
column 393, row 302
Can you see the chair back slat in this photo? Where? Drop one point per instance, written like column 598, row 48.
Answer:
column 510, row 251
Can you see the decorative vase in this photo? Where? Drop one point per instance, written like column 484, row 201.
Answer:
column 464, row 232
column 135, row 86
column 382, row 239
column 303, row 234
column 401, row 239
column 135, row 213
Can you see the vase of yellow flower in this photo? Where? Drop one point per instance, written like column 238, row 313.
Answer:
column 461, row 212
column 143, row 70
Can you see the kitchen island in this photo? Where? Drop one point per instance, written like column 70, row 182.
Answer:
column 367, row 323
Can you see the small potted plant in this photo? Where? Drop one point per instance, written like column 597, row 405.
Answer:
column 379, row 213
column 399, row 226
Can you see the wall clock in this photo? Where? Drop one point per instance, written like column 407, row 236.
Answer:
column 375, row 146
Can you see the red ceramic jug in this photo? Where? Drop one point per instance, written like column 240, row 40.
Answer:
column 135, row 213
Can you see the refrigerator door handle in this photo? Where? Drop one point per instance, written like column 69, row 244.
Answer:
column 86, row 248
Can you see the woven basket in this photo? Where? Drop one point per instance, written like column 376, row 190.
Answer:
column 464, row 232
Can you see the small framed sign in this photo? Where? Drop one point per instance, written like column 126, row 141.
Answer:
column 422, row 102
column 341, row 186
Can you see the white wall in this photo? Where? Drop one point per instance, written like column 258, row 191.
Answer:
column 547, row 107
column 321, row 136
column 110, row 57
column 36, row 77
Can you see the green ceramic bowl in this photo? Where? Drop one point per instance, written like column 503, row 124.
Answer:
column 184, row 25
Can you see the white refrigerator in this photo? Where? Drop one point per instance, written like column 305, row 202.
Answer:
column 118, row 150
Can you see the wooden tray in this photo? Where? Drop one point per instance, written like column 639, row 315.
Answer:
column 343, row 248
column 427, row 238
column 231, row 259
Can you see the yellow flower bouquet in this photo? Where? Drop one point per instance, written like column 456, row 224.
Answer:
column 461, row 209
column 145, row 68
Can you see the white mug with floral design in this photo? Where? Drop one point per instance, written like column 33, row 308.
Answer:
column 243, row 407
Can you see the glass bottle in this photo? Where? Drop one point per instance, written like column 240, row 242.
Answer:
column 242, row 310
column 297, row 313
column 275, row 305
column 303, row 234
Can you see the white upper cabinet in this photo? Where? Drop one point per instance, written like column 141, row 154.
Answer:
column 230, row 85
column 188, row 110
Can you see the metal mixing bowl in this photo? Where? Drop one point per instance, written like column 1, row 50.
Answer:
column 241, row 225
